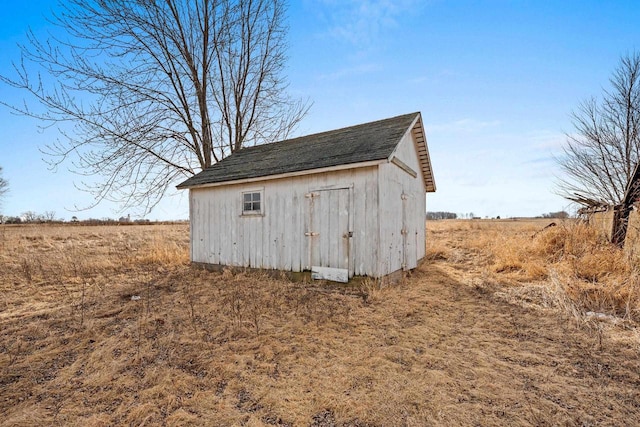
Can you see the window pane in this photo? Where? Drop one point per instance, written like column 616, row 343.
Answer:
column 251, row 202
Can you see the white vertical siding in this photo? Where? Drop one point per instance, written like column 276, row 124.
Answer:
column 393, row 182
column 276, row 240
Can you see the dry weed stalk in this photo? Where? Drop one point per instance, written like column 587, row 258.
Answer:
column 596, row 275
column 370, row 289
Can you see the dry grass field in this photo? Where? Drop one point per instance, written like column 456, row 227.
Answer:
column 105, row 326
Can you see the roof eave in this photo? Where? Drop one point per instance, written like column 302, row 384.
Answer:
column 285, row 175
column 420, row 136
column 417, row 129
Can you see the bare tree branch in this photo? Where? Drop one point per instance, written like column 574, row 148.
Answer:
column 600, row 157
column 146, row 93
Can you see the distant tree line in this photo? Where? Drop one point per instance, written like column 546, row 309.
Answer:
column 471, row 215
column 441, row 215
column 31, row 217
column 556, row 215
column 49, row 217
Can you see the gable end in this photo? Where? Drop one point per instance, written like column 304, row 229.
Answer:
column 423, row 155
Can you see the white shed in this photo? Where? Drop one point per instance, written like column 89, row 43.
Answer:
column 348, row 202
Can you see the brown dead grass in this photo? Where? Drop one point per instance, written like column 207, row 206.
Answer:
column 596, row 275
column 451, row 345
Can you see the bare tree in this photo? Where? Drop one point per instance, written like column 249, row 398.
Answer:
column 31, row 216
column 49, row 216
column 601, row 157
column 4, row 187
column 157, row 91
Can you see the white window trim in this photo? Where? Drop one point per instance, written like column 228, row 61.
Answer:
column 252, row 213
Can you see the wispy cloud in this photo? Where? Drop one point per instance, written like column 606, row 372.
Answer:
column 463, row 125
column 356, row 70
column 432, row 78
column 539, row 161
column 549, row 140
column 362, row 22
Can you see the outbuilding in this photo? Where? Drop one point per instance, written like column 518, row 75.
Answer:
column 343, row 203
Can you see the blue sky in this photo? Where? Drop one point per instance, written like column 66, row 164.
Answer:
column 495, row 81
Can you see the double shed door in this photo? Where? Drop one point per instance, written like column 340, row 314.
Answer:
column 330, row 234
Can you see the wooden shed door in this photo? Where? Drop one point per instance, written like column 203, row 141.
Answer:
column 329, row 234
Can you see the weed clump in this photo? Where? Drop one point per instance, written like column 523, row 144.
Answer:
column 596, row 275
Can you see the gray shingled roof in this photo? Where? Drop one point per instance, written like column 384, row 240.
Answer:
column 354, row 144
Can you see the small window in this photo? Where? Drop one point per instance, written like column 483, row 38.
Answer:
column 252, row 203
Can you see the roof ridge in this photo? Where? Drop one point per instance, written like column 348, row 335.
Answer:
column 328, row 131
